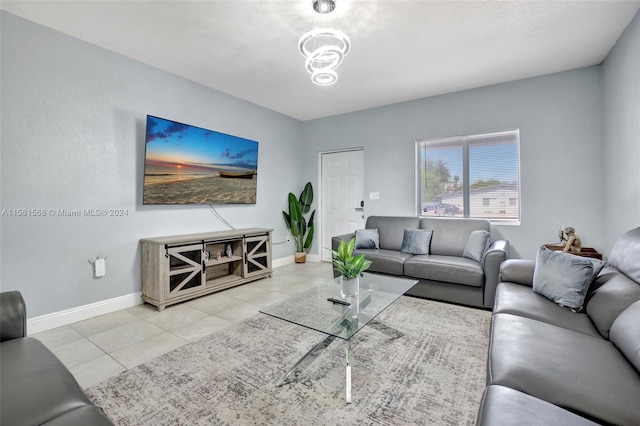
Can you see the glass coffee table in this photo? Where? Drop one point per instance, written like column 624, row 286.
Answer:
column 311, row 309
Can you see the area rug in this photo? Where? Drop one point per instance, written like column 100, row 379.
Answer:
column 432, row 375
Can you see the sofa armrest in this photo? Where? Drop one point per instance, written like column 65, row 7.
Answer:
column 519, row 271
column 497, row 253
column 335, row 241
column 13, row 316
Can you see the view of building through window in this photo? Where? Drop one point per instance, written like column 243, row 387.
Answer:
column 470, row 176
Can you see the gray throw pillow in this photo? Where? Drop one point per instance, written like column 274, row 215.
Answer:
column 564, row 278
column 477, row 244
column 416, row 241
column 367, row 239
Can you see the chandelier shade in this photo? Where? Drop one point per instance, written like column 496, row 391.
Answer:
column 324, row 50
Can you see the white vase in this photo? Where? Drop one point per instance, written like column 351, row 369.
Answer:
column 349, row 288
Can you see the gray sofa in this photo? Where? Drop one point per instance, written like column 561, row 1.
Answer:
column 549, row 365
column 443, row 274
column 36, row 387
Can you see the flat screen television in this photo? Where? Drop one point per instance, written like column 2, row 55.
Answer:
column 186, row 164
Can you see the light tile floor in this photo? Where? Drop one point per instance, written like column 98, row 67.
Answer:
column 104, row 346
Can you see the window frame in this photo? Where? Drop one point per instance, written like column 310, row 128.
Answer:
column 465, row 142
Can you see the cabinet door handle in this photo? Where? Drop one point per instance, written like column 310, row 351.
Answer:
column 204, row 267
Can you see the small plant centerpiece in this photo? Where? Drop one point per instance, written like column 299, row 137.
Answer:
column 300, row 228
column 349, row 266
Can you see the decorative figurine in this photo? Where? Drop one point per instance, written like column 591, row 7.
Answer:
column 218, row 255
column 571, row 243
column 228, row 250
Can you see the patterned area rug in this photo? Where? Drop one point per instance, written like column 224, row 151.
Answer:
column 433, row 375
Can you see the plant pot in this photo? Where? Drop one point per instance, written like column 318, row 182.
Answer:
column 349, row 288
column 300, row 257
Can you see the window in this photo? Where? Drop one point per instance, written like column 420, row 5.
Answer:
column 470, row 176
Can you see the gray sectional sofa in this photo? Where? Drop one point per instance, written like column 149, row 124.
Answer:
column 550, row 365
column 37, row 389
column 446, row 273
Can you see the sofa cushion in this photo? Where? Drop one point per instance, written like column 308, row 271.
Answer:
column 36, row 386
column 584, row 374
column 523, row 301
column 367, row 239
column 385, row 261
column 450, row 269
column 416, row 241
column 625, row 334
column 477, row 244
column 505, row 406
column 610, row 299
column 564, row 278
column 625, row 253
column 450, row 235
column 391, row 229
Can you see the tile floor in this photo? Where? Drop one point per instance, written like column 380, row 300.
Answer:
column 104, row 346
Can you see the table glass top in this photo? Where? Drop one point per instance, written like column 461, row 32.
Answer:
column 311, row 308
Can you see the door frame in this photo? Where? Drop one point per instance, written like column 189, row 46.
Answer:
column 320, row 218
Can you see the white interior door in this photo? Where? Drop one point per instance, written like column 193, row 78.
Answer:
column 342, row 195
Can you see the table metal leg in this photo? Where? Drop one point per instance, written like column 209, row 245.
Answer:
column 307, row 359
column 348, row 375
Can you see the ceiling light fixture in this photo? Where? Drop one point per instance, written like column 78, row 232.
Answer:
column 324, row 48
column 323, row 6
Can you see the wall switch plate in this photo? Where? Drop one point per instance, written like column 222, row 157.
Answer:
column 100, row 268
column 374, row 195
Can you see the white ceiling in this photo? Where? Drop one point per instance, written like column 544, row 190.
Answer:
column 401, row 50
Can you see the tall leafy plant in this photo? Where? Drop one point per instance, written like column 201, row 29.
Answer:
column 300, row 228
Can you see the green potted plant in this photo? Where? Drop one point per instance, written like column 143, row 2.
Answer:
column 300, row 228
column 349, row 266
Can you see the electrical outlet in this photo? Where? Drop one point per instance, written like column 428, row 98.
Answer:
column 100, row 268
column 374, row 195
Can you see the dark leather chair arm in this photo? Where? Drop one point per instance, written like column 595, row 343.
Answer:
column 13, row 316
column 497, row 253
column 519, row 271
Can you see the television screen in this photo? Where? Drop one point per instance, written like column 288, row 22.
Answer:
column 185, row 164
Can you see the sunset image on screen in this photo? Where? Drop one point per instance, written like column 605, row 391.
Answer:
column 190, row 165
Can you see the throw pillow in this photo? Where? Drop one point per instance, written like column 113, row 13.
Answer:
column 367, row 239
column 564, row 278
column 477, row 244
column 416, row 241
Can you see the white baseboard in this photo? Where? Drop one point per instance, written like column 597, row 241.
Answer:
column 81, row 313
column 276, row 263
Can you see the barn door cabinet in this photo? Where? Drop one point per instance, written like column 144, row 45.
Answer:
column 181, row 267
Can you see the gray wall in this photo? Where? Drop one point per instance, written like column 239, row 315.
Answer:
column 72, row 136
column 560, row 122
column 621, row 76
column 73, row 122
